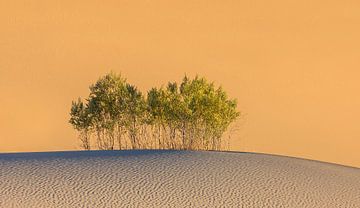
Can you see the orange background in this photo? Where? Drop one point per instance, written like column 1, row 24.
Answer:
column 294, row 66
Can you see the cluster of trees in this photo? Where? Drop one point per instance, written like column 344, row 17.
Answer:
column 116, row 115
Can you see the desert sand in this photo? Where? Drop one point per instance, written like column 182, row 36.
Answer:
column 164, row 178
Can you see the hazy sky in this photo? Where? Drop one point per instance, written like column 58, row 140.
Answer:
column 294, row 66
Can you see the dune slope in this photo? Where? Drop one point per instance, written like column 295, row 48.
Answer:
column 155, row 178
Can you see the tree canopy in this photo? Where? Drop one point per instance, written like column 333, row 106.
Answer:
column 191, row 115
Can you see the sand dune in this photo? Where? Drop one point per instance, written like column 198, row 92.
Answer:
column 149, row 178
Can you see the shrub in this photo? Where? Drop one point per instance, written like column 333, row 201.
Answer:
column 192, row 115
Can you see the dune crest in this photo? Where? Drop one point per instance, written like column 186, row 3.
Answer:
column 165, row 178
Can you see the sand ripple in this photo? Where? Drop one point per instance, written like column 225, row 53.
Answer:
column 173, row 179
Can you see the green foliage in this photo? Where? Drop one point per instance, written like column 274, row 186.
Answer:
column 78, row 115
column 210, row 112
column 81, row 121
column 192, row 115
column 135, row 113
column 107, row 106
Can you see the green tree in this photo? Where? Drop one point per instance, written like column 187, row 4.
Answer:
column 210, row 113
column 135, row 114
column 192, row 115
column 155, row 107
column 107, row 109
column 81, row 121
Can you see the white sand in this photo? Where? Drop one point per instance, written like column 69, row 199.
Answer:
column 173, row 179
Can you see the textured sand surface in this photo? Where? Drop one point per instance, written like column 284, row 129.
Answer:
column 173, row 179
